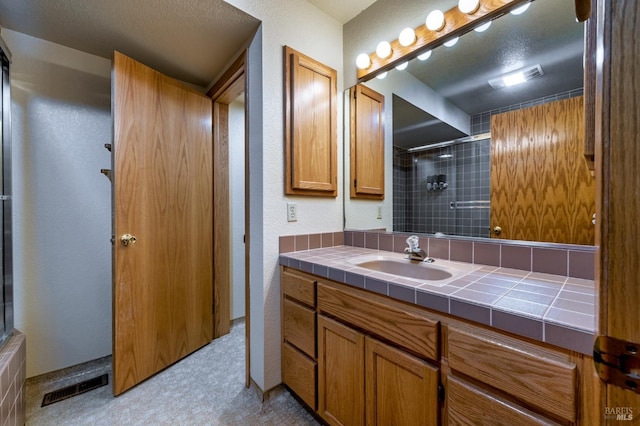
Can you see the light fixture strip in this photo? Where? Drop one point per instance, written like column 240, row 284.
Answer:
column 456, row 24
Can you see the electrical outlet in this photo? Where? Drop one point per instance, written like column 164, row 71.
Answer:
column 292, row 212
column 380, row 212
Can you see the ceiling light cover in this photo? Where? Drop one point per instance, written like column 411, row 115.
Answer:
column 435, row 20
column 469, row 6
column 363, row 61
column 383, row 50
column 482, row 28
column 426, row 55
column 520, row 10
column 516, row 77
column 407, row 37
column 402, row 66
column 452, row 42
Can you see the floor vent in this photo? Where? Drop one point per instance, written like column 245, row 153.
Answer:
column 73, row 390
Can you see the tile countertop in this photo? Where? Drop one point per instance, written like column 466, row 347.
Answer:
column 549, row 308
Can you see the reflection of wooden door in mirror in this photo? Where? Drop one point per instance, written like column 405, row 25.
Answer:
column 541, row 187
column 367, row 143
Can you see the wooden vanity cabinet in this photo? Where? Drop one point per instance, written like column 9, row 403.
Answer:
column 380, row 361
column 518, row 380
column 299, row 364
column 365, row 381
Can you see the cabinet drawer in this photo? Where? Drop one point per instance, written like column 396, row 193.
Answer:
column 386, row 319
column 300, row 374
column 299, row 327
column 468, row 405
column 299, row 286
column 533, row 375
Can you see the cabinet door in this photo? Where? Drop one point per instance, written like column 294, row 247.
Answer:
column 341, row 373
column 468, row 405
column 311, row 132
column 401, row 389
column 367, row 143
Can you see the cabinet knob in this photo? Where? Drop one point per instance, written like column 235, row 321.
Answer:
column 497, row 230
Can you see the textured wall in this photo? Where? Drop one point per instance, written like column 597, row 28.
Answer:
column 305, row 28
column 62, row 204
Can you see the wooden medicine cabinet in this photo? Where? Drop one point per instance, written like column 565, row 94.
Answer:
column 367, row 143
column 311, row 135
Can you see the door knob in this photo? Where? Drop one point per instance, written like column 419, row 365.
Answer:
column 497, row 230
column 127, row 239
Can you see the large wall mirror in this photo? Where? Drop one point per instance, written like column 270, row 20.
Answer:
column 471, row 153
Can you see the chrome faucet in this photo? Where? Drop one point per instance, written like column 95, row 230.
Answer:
column 414, row 252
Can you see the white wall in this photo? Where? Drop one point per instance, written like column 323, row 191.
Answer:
column 305, row 28
column 62, row 204
column 236, row 201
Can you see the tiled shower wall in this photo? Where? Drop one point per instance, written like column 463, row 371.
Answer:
column 467, row 169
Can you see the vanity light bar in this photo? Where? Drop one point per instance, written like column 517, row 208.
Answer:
column 456, row 23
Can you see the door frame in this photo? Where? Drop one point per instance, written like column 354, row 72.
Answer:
column 224, row 91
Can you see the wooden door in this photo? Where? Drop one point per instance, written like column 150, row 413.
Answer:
column 400, row 388
column 162, row 195
column 541, row 186
column 367, row 143
column 340, row 373
column 618, row 173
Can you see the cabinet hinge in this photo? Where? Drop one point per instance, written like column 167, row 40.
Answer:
column 440, row 393
column 355, row 183
column 617, row 362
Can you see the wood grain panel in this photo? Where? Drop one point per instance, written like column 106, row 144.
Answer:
column 391, row 321
column 341, row 391
column 619, row 201
column 468, row 405
column 222, row 223
column 299, row 286
column 401, row 389
column 542, row 381
column 299, row 327
column 367, row 143
column 311, row 135
column 300, row 374
column 541, row 187
column 162, row 288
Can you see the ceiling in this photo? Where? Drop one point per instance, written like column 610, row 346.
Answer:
column 190, row 40
column 342, row 10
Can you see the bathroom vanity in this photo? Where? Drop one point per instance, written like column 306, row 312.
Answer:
column 361, row 347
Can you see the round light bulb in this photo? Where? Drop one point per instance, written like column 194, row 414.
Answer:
column 381, row 76
column 469, row 6
column 520, row 10
column 383, row 50
column 435, row 20
column 482, row 28
column 363, row 61
column 426, row 55
column 407, row 37
column 402, row 66
column 451, row 42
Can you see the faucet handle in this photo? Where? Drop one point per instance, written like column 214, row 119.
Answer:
column 413, row 242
